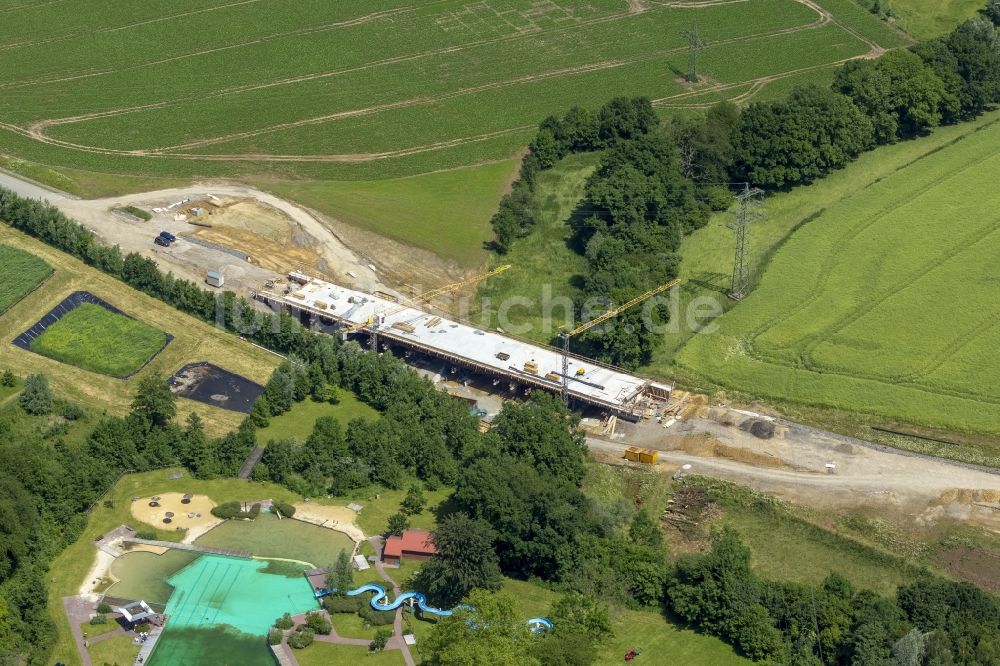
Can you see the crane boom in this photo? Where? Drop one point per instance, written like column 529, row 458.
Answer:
column 566, row 335
column 621, row 308
column 434, row 293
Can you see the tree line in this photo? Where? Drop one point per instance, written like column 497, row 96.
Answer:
column 660, row 180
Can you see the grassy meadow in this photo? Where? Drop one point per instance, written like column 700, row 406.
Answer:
column 882, row 302
column 299, row 421
column 20, row 273
column 544, row 262
column 931, row 18
column 95, row 339
column 447, row 212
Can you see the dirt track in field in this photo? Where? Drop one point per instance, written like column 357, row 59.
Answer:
column 37, row 130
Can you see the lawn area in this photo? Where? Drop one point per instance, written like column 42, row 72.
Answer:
column 93, row 630
column 404, row 573
column 380, row 503
column 117, row 651
column 194, row 340
column 326, row 654
column 350, row 625
column 93, row 338
column 530, row 600
column 20, row 272
column 878, row 304
column 658, row 639
column 544, row 263
column 299, row 421
column 69, row 568
column 447, row 213
column 269, row 536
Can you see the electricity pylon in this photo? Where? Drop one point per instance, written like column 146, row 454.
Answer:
column 749, row 209
column 695, row 46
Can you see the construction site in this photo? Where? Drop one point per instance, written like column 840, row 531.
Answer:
column 405, row 326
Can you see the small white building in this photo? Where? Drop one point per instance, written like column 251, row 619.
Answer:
column 215, row 279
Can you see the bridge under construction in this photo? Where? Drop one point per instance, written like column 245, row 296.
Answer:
column 482, row 351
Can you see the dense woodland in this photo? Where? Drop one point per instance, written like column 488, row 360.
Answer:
column 659, row 180
column 517, row 504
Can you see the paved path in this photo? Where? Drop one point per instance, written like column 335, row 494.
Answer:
column 251, row 462
column 147, row 646
column 286, row 654
column 78, row 610
column 190, row 547
column 283, row 653
column 396, row 642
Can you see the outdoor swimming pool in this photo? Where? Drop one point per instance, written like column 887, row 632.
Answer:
column 221, row 609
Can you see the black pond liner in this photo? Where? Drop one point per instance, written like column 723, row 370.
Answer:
column 212, row 385
column 67, row 305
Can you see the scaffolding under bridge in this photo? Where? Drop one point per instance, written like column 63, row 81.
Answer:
column 482, row 351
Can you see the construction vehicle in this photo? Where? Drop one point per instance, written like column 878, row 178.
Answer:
column 566, row 335
column 373, row 322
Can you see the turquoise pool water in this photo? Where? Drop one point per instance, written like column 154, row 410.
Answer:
column 221, row 609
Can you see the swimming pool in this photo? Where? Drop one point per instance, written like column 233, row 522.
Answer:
column 221, row 609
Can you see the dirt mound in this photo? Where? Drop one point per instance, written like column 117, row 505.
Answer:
column 759, row 428
column 705, row 445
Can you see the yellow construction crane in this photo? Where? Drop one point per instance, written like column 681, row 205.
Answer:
column 566, row 335
column 423, row 298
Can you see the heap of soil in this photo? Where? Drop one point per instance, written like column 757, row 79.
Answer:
column 759, row 428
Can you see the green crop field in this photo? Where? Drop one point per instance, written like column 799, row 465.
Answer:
column 20, row 272
column 309, row 89
column 885, row 302
column 95, row 339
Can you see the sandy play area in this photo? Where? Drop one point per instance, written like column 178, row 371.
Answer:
column 338, row 518
column 196, row 515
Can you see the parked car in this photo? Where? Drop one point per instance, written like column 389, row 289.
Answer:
column 167, row 236
column 160, row 240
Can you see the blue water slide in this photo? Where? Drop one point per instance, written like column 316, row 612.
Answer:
column 380, row 602
column 379, row 594
column 539, row 625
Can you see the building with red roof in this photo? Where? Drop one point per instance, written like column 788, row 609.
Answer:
column 413, row 544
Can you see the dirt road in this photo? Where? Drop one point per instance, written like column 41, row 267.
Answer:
column 793, row 465
column 187, row 259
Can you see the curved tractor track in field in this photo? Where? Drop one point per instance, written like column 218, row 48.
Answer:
column 37, row 131
column 916, row 378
